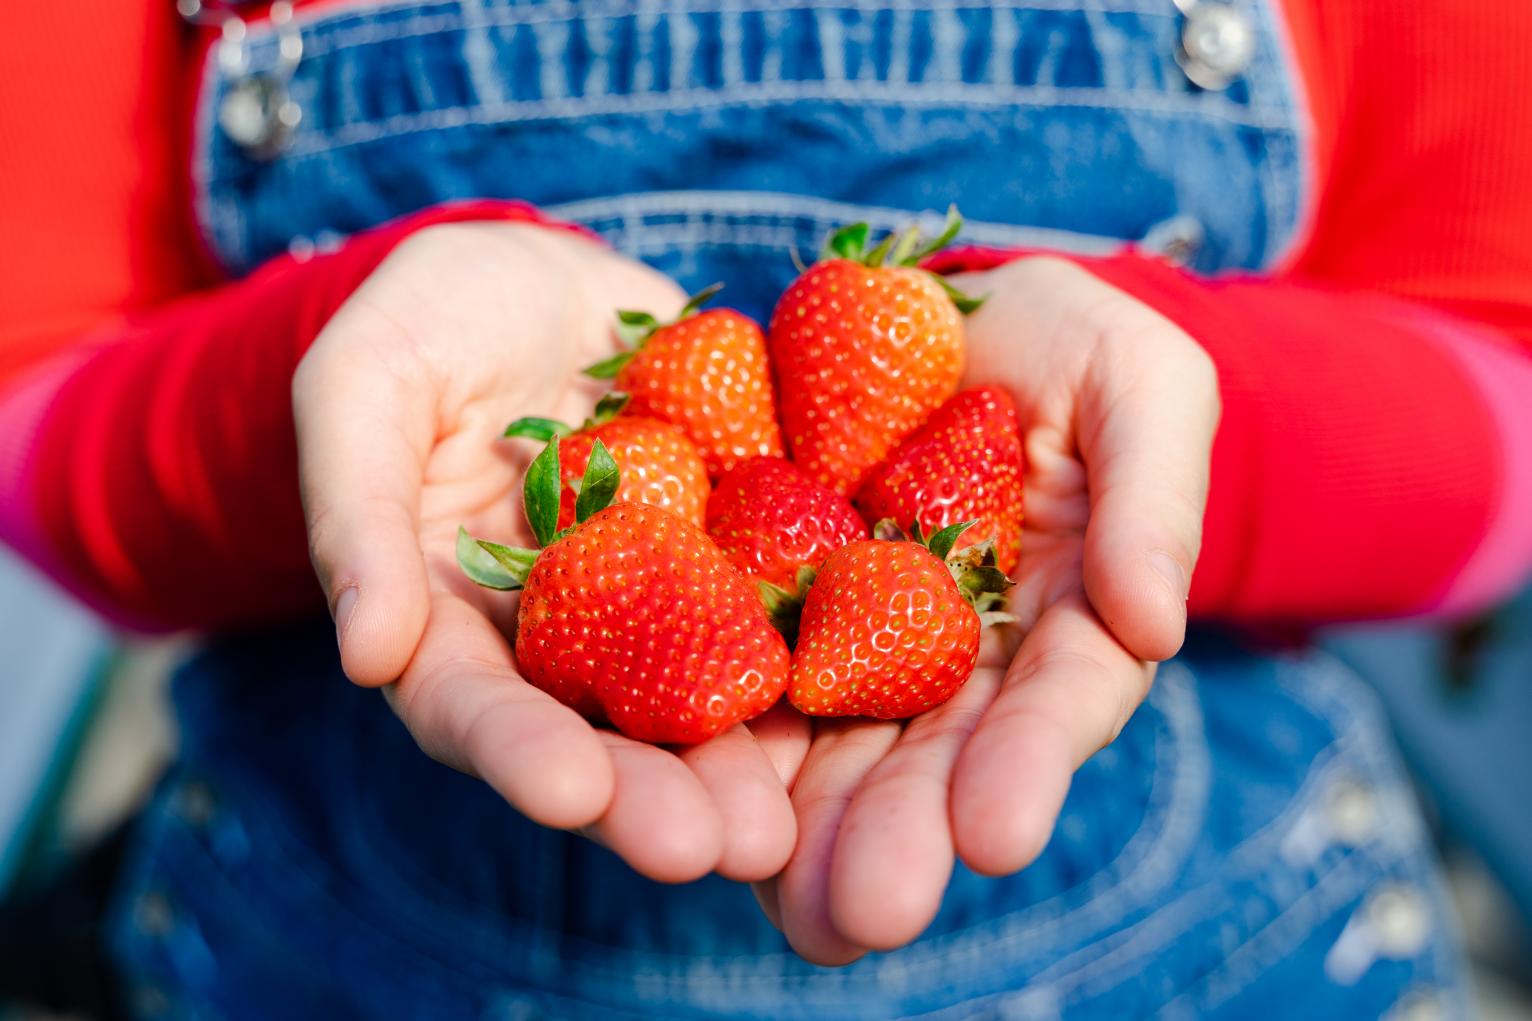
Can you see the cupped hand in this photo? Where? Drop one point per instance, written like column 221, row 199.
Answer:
column 398, row 405
column 1118, row 410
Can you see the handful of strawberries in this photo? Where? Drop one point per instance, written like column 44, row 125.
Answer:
column 698, row 559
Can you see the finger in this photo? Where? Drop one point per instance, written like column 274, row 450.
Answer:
column 364, row 431
column 766, row 895
column 467, row 707
column 783, row 734
column 894, row 853
column 661, row 821
column 1146, row 437
column 1068, row 693
column 747, row 793
column 843, row 752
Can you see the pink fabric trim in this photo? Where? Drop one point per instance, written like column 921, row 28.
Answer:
column 1503, row 374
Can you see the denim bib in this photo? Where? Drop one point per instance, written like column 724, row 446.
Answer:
column 1238, row 852
column 713, row 137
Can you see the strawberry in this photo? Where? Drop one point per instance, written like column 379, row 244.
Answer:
column 632, row 614
column 775, row 524
column 891, row 628
column 707, row 374
column 660, row 466
column 964, row 464
column 865, row 345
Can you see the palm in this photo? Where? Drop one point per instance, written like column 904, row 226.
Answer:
column 885, row 809
column 398, row 405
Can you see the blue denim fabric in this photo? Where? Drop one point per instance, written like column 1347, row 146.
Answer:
column 305, row 860
column 688, row 130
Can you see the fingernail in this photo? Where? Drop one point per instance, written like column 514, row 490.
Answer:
column 343, row 607
column 1169, row 568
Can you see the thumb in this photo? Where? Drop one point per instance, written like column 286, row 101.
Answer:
column 364, row 430
column 1146, row 438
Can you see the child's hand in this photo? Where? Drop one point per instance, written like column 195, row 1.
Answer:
column 1118, row 409
column 462, row 329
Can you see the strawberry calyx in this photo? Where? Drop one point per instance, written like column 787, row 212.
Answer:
column 635, row 328
column 784, row 608
column 506, row 567
column 545, row 429
column 974, row 567
column 900, row 248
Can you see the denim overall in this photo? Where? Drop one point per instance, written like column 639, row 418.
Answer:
column 1248, row 848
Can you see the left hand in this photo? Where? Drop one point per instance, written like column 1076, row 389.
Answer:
column 1118, row 410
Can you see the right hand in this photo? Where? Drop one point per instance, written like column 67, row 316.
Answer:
column 398, row 405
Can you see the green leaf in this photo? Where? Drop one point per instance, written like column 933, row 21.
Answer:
column 629, row 317
column 537, row 429
column 608, row 368
column 540, row 493
column 804, row 579
column 966, row 304
column 516, row 561
column 784, row 610
column 889, row 530
column 599, row 484
column 697, row 300
column 879, row 255
column 608, row 407
column 904, row 246
column 481, row 566
column 847, row 243
column 942, row 542
column 949, row 233
column 978, row 581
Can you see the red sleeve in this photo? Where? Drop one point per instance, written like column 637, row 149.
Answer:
column 147, row 456
column 1375, row 453
column 151, row 466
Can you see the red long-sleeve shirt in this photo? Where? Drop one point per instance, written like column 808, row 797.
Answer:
column 1375, row 455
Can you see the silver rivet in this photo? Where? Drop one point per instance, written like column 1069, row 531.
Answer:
column 1352, row 811
column 1400, row 921
column 1177, row 240
column 1217, row 44
column 258, row 115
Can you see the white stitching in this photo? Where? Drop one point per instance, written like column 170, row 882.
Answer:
column 637, row 210
column 371, row 31
column 763, row 94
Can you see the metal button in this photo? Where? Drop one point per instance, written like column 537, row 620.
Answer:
column 1400, row 921
column 259, row 116
column 1176, row 240
column 1217, row 43
column 1351, row 809
column 1394, row 922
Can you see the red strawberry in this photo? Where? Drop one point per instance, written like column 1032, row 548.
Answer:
column 705, row 373
column 891, row 628
column 964, row 464
column 863, row 352
column 660, row 466
column 770, row 519
column 632, row 615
